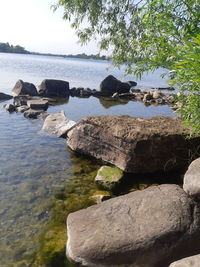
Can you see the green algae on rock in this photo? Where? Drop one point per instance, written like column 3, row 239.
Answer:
column 109, row 177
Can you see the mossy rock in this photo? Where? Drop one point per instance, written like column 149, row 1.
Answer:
column 109, row 177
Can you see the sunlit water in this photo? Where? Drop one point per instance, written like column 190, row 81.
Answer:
column 41, row 180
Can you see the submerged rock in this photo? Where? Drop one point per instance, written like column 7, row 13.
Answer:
column 132, row 144
column 57, row 124
column 191, row 183
column 24, row 88
column 100, row 196
column 109, row 177
column 54, row 88
column 111, row 85
column 145, row 228
column 4, row 96
column 34, row 113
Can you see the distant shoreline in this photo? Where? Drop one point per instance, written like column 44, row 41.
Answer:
column 7, row 48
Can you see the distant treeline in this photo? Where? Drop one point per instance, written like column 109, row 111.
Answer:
column 7, row 48
column 83, row 55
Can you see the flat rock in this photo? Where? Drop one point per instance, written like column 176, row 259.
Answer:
column 149, row 228
column 38, row 104
column 191, row 183
column 57, row 124
column 54, row 88
column 109, row 177
column 193, row 261
column 132, row 144
column 4, row 96
column 24, row 88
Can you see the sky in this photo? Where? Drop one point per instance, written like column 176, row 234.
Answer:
column 33, row 25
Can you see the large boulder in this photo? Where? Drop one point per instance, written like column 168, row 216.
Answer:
column 111, row 85
column 149, row 228
column 57, row 124
column 134, row 144
column 193, row 261
column 191, row 183
column 4, row 96
column 54, row 88
column 24, row 88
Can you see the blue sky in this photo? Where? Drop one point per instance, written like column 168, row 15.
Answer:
column 33, row 25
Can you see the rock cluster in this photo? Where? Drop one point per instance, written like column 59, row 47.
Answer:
column 149, row 228
column 148, row 97
column 32, row 106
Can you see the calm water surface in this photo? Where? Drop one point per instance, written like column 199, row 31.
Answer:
column 41, row 180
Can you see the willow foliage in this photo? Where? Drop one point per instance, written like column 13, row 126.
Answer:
column 145, row 35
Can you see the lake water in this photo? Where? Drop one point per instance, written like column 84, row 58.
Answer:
column 41, row 180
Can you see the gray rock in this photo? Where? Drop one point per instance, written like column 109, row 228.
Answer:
column 10, row 107
column 38, row 104
column 4, row 96
column 20, row 100
column 134, row 144
column 57, row 124
column 109, row 177
column 22, row 108
column 24, row 88
column 160, row 101
column 33, row 113
column 157, row 94
column 193, row 261
column 191, row 183
column 111, row 85
column 148, row 228
column 54, row 88
column 147, row 97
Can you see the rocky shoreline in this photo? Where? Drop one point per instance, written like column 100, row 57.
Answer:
column 33, row 102
column 149, row 228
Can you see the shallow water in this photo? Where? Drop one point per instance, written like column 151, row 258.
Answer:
column 41, row 180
